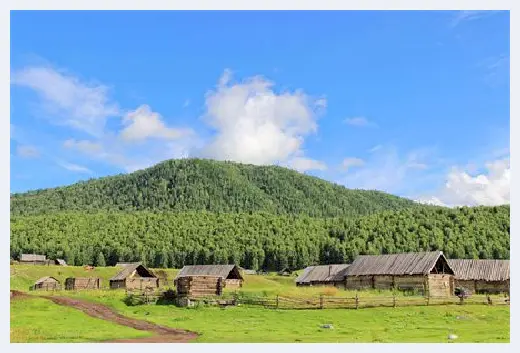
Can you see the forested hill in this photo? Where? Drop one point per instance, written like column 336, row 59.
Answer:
column 213, row 186
column 259, row 240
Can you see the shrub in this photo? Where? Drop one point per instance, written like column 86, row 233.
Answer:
column 133, row 300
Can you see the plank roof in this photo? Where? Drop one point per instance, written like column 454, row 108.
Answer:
column 129, row 269
column 323, row 273
column 413, row 263
column 487, row 270
column 44, row 279
column 209, row 270
column 32, row 257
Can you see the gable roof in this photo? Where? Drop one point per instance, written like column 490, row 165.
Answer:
column 43, row 279
column 487, row 270
column 208, row 270
column 323, row 273
column 129, row 269
column 32, row 257
column 413, row 263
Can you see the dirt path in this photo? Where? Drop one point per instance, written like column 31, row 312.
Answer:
column 100, row 311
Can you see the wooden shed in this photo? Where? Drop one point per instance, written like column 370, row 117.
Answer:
column 285, row 272
column 426, row 272
column 199, row 286
column 324, row 275
column 122, row 264
column 46, row 283
column 481, row 276
column 60, row 262
column 33, row 259
column 134, row 276
column 72, row 283
column 232, row 278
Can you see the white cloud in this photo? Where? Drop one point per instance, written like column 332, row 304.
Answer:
column 489, row 188
column 74, row 167
column 352, row 162
column 84, row 146
column 187, row 103
column 470, row 15
column 255, row 125
column 305, row 164
column 359, row 122
column 143, row 123
column 82, row 106
column 26, row 151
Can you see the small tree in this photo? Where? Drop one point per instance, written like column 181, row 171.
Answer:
column 100, row 261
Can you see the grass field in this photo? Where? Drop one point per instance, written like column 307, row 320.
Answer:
column 471, row 323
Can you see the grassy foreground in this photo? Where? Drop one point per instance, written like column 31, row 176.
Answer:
column 471, row 323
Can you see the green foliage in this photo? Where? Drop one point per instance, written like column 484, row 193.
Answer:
column 134, row 300
column 206, row 185
column 260, row 240
column 100, row 261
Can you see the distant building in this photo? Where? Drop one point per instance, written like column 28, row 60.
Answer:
column 46, row 283
column 325, row 275
column 33, row 259
column 60, row 262
column 481, row 276
column 79, row 283
column 426, row 272
column 232, row 278
column 134, row 276
column 285, row 272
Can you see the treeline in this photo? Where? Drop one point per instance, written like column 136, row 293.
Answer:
column 259, row 240
column 187, row 185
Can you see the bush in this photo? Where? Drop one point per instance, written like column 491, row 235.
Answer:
column 133, row 300
column 167, row 298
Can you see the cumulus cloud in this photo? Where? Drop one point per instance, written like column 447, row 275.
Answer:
column 70, row 102
column 305, row 164
column 359, row 121
column 26, row 151
column 488, row 188
column 352, row 162
column 143, row 123
column 254, row 124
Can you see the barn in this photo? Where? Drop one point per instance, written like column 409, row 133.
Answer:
column 232, row 278
column 46, row 283
column 426, row 272
column 33, row 259
column 78, row 283
column 325, row 275
column 134, row 276
column 481, row 276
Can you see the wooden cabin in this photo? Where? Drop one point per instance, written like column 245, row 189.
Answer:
column 481, row 276
column 33, row 259
column 122, row 264
column 199, row 286
column 325, row 275
column 60, row 262
column 46, row 283
column 76, row 283
column 232, row 278
column 285, row 272
column 425, row 272
column 134, row 276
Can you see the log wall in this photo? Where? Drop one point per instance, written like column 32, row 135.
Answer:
column 440, row 285
column 233, row 283
column 142, row 282
column 82, row 283
column 199, row 286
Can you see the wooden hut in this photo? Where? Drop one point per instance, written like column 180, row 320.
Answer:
column 232, row 278
column 72, row 283
column 426, row 272
column 199, row 286
column 285, row 272
column 33, row 259
column 60, row 262
column 325, row 275
column 122, row 264
column 46, row 283
column 134, row 276
column 481, row 276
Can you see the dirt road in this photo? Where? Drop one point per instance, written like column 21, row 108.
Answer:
column 100, row 311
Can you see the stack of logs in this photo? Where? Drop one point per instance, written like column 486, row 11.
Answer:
column 199, row 286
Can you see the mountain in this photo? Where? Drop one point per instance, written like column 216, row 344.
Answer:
column 212, row 186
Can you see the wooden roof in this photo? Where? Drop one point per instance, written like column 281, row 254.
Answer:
column 395, row 264
column 324, row 273
column 61, row 262
column 487, row 270
column 32, row 257
column 45, row 279
column 209, row 270
column 129, row 269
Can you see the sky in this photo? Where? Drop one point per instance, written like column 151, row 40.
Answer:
column 413, row 103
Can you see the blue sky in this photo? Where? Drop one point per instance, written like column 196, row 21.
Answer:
column 415, row 103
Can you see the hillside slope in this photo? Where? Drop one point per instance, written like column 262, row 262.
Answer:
column 206, row 185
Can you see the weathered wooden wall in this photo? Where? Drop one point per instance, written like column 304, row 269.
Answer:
column 199, row 286
column 82, row 283
column 142, row 282
column 440, row 285
column 360, row 282
column 233, row 283
column 47, row 285
column 491, row 287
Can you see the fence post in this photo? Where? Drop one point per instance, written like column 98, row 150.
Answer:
column 357, row 301
column 321, row 301
column 277, row 301
column 461, row 300
column 394, row 300
column 428, row 299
